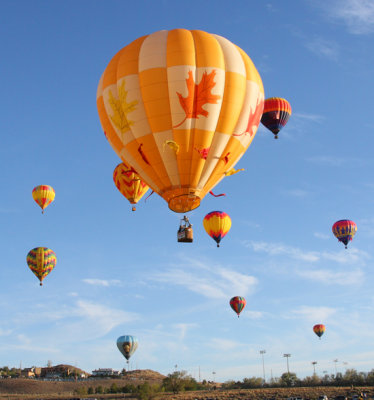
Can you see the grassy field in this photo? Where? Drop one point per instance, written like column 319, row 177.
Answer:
column 29, row 389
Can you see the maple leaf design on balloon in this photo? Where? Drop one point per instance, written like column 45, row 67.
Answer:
column 121, row 108
column 253, row 120
column 198, row 95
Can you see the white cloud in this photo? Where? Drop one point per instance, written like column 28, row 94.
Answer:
column 216, row 282
column 357, row 15
column 183, row 327
column 320, row 235
column 314, row 313
column 324, row 48
column 102, row 282
column 308, row 117
column 223, row 344
column 342, row 257
column 334, row 161
column 333, row 277
column 296, row 192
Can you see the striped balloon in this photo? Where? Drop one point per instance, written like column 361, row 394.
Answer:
column 344, row 230
column 277, row 112
column 238, row 303
column 217, row 224
column 129, row 183
column 319, row 330
column 41, row 261
column 127, row 345
column 43, row 195
column 181, row 107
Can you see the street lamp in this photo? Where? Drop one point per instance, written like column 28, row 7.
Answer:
column 287, row 356
column 335, row 361
column 314, row 366
column 262, row 352
column 213, row 373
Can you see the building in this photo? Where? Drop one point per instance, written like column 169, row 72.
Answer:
column 105, row 372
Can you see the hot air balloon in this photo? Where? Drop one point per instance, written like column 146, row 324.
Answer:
column 344, row 230
column 43, row 195
column 127, row 345
column 181, row 107
column 217, row 224
column 319, row 330
column 129, row 183
column 238, row 303
column 276, row 113
column 41, row 261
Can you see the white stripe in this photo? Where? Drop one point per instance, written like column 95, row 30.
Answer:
column 153, row 51
column 233, row 58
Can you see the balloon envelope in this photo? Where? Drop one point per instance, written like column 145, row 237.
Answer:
column 276, row 114
column 196, row 92
column 129, row 183
column 43, row 195
column 217, row 224
column 238, row 303
column 41, row 261
column 319, row 329
column 344, row 230
column 127, row 345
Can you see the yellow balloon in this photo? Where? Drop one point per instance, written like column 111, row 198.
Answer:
column 194, row 90
column 43, row 195
column 129, row 183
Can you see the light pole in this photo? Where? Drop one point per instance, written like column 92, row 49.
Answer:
column 288, row 369
column 262, row 352
column 314, row 366
column 335, row 361
column 213, row 373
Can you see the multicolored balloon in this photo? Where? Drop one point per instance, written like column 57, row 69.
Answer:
column 43, row 195
column 41, row 261
column 277, row 112
column 238, row 303
column 344, row 230
column 319, row 330
column 129, row 183
column 181, row 107
column 217, row 224
column 127, row 345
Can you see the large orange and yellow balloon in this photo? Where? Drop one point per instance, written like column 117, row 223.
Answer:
column 129, row 183
column 344, row 230
column 41, row 261
column 181, row 107
column 217, row 224
column 43, row 195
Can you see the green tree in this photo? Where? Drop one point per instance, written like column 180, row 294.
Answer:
column 176, row 382
column 99, row 389
column 90, row 390
column 147, row 391
column 289, row 379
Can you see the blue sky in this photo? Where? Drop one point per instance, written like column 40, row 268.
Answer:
column 120, row 272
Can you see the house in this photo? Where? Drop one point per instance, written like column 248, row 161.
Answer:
column 105, row 372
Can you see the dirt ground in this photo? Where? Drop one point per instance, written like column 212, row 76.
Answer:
column 28, row 389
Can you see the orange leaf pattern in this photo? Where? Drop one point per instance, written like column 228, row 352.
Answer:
column 198, row 95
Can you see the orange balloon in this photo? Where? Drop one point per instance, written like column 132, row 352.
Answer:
column 181, row 107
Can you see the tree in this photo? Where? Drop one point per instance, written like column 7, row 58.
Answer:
column 177, row 381
column 289, row 379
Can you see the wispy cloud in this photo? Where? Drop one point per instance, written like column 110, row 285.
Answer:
column 357, row 15
column 212, row 282
column 313, row 313
column 183, row 328
column 334, row 161
column 320, row 235
column 308, row 117
column 324, row 48
column 295, row 192
column 329, row 277
column 276, row 249
column 102, row 282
